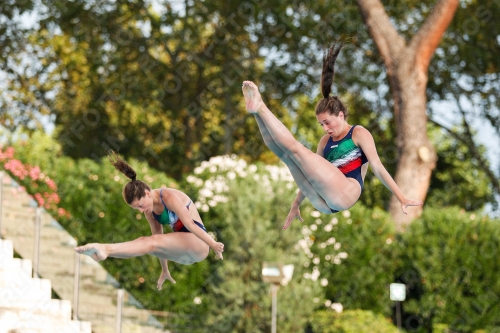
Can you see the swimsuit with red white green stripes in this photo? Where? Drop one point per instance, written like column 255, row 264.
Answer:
column 346, row 156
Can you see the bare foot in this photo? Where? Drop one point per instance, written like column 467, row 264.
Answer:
column 95, row 250
column 253, row 101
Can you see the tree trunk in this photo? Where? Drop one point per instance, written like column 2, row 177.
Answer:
column 407, row 67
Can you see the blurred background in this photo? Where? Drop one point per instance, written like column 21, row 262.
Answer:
column 160, row 83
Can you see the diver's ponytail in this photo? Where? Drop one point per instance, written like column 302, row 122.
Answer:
column 328, row 73
column 134, row 189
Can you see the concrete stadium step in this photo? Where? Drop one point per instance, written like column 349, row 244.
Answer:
column 27, row 322
column 60, row 309
column 35, row 290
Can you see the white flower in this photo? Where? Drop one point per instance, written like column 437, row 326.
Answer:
column 342, row 255
column 212, row 203
column 213, row 169
column 334, row 221
column 337, row 246
column 198, row 170
column 205, row 192
column 336, row 261
column 313, row 227
column 328, row 303
column 315, row 213
column 337, row 307
column 242, row 163
column 197, row 300
column 289, row 186
column 220, row 198
column 204, row 208
column 324, row 282
column 316, row 261
column 209, row 184
column 252, row 168
column 328, row 227
column 346, row 213
column 315, row 274
column 303, row 244
column 231, row 175
column 331, row 240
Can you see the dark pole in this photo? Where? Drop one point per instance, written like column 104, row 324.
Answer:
column 398, row 314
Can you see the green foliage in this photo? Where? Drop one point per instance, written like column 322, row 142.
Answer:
column 351, row 321
column 447, row 258
column 247, row 215
column 352, row 252
column 457, row 181
column 91, row 192
column 449, row 264
column 161, row 83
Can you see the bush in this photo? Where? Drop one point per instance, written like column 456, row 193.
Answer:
column 351, row 321
column 450, row 265
column 248, row 205
column 352, row 256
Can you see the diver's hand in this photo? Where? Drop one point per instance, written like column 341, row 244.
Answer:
column 164, row 276
column 409, row 202
column 293, row 214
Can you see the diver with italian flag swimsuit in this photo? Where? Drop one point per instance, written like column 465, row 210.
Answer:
column 332, row 179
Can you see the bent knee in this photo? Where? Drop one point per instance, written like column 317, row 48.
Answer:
column 152, row 243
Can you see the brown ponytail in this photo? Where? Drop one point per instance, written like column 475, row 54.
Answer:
column 135, row 189
column 330, row 104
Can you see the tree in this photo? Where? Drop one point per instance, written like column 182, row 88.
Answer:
column 407, row 67
column 158, row 83
column 463, row 74
column 13, row 42
column 351, row 321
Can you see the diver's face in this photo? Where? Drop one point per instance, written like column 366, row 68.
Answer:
column 332, row 124
column 144, row 204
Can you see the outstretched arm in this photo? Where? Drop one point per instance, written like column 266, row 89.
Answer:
column 175, row 205
column 363, row 139
column 157, row 228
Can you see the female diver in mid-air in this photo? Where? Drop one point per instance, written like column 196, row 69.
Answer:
column 188, row 243
column 332, row 179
